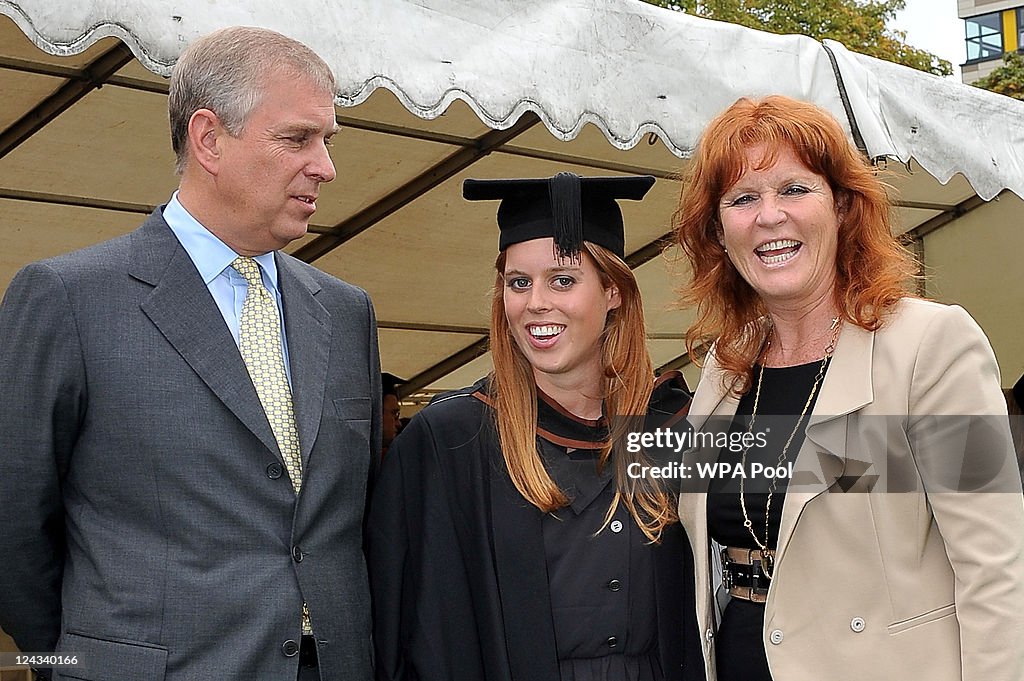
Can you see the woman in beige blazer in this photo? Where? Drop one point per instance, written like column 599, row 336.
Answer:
column 876, row 528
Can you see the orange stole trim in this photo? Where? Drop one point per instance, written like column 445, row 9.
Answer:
column 547, row 434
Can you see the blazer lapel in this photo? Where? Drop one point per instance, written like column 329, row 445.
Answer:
column 712, row 408
column 181, row 307
column 308, row 328
column 522, row 580
column 822, row 460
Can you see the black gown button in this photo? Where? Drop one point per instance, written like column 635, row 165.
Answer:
column 614, row 585
column 612, row 641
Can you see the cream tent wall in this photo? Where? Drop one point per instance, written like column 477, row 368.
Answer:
column 976, row 261
column 434, row 91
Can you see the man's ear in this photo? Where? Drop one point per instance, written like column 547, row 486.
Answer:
column 204, row 139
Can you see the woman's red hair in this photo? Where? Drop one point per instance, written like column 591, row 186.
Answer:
column 872, row 268
column 627, row 383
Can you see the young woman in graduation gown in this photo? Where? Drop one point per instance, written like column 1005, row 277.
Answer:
column 506, row 540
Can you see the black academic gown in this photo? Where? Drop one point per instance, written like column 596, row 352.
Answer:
column 457, row 562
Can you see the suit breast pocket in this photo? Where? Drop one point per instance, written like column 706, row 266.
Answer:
column 352, row 408
column 352, row 421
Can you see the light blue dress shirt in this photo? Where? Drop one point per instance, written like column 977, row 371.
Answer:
column 213, row 258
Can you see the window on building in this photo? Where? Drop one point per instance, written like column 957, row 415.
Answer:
column 985, row 36
column 1020, row 28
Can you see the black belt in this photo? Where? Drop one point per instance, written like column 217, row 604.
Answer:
column 307, row 653
column 744, row 575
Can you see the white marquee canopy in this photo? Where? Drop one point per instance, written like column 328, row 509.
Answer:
column 434, row 91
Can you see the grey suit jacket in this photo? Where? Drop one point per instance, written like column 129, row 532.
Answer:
column 910, row 579
column 147, row 522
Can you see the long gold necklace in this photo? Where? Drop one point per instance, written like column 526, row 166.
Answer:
column 767, row 561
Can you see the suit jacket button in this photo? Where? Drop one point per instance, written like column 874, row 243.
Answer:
column 612, row 641
column 857, row 624
column 275, row 471
column 296, row 554
column 775, row 637
column 290, row 648
column 614, row 585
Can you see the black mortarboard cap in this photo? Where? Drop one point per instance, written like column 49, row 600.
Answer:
column 567, row 207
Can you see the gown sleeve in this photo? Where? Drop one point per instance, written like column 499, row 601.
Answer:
column 389, row 543
column 430, row 575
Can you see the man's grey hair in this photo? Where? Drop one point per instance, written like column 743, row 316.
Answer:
column 225, row 72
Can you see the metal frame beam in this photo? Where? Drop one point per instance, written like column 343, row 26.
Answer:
column 408, row 192
column 948, row 216
column 75, row 201
column 92, row 77
column 434, row 328
column 97, row 204
column 443, row 368
column 683, row 360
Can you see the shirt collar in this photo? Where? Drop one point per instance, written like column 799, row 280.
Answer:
column 209, row 254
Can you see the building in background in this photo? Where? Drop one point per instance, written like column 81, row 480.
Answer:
column 993, row 28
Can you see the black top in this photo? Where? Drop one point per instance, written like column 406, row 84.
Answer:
column 783, row 396
column 472, row 583
column 601, row 580
column 739, row 649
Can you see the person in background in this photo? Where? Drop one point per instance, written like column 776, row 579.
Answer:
column 506, row 540
column 1015, row 408
column 896, row 550
column 392, row 409
column 192, row 416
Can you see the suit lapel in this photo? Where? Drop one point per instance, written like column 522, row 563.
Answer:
column 181, row 307
column 822, row 459
column 522, row 580
column 308, row 327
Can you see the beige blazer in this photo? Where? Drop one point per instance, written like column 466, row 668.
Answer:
column 889, row 586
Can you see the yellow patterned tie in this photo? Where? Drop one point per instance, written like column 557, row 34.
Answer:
column 259, row 340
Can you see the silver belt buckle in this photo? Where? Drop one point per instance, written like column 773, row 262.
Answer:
column 727, row 564
column 757, row 571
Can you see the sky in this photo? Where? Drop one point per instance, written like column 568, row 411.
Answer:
column 932, row 25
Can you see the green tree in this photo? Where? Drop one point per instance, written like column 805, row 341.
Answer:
column 861, row 25
column 1007, row 79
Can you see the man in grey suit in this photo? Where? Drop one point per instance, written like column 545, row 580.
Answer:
column 190, row 416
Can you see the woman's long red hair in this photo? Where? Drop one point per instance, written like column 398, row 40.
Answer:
column 628, row 381
column 872, row 268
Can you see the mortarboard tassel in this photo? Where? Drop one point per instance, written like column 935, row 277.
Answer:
column 566, row 214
